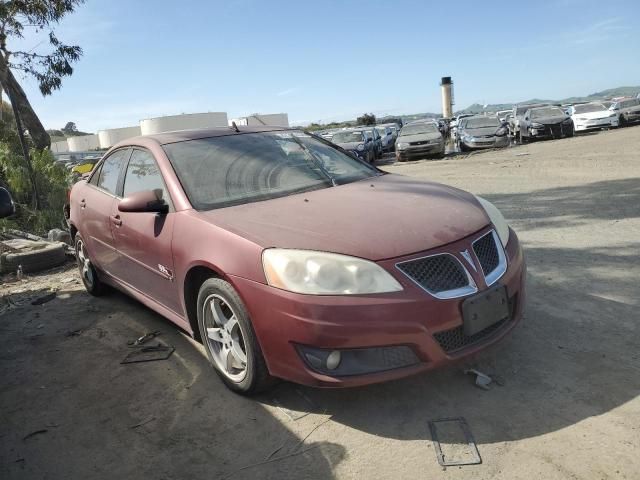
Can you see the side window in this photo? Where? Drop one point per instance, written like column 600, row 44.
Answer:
column 110, row 171
column 143, row 174
column 95, row 176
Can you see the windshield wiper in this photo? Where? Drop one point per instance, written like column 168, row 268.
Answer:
column 317, row 161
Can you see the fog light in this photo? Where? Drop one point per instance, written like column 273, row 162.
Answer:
column 333, row 360
column 357, row 361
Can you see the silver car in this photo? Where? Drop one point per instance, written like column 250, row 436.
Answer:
column 628, row 110
column 419, row 140
column 481, row 132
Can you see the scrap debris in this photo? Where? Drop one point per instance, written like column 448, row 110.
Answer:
column 143, row 339
column 33, row 434
column 482, row 380
column 43, row 298
column 470, row 456
column 149, row 354
column 148, row 420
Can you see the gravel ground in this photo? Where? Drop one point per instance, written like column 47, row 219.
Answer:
column 568, row 406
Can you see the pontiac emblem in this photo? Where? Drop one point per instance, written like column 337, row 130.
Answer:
column 467, row 257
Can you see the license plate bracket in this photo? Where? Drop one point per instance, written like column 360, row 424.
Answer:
column 485, row 309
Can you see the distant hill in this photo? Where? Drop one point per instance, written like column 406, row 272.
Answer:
column 603, row 95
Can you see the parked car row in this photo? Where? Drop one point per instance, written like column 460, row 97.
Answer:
column 527, row 122
column 368, row 143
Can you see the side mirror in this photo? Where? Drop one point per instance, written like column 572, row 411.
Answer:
column 144, row 201
column 7, row 207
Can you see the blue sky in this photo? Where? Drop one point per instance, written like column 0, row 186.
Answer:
column 332, row 60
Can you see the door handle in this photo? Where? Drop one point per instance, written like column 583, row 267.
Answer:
column 116, row 220
column 83, row 203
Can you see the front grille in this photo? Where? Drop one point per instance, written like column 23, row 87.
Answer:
column 436, row 274
column 424, row 142
column 455, row 339
column 486, row 250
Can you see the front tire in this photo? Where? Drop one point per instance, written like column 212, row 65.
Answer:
column 523, row 139
column 229, row 339
column 622, row 122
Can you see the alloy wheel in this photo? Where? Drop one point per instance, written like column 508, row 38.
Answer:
column 225, row 339
column 84, row 264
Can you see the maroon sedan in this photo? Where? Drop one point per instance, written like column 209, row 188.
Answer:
column 291, row 259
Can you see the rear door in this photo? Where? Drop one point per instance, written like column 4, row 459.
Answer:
column 95, row 204
column 143, row 240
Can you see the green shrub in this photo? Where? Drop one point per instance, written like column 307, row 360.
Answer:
column 52, row 181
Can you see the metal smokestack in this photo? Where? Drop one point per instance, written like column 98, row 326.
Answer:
column 446, row 84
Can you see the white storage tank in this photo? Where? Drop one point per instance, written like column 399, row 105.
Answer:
column 83, row 143
column 151, row 126
column 257, row 119
column 110, row 137
column 60, row 147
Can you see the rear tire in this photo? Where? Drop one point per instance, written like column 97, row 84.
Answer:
column 88, row 273
column 227, row 332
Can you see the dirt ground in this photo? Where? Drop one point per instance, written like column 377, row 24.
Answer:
column 568, row 408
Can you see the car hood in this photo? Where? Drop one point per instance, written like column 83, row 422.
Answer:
column 481, row 131
column 419, row 137
column 378, row 218
column 549, row 120
column 349, row 145
column 592, row 115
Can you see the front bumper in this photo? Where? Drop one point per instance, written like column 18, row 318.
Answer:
column 609, row 122
column 558, row 130
column 283, row 321
column 413, row 152
column 490, row 142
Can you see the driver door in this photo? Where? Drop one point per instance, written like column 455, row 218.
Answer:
column 144, row 239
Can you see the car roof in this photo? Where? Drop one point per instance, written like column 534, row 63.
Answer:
column 184, row 135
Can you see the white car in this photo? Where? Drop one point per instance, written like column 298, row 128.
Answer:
column 591, row 116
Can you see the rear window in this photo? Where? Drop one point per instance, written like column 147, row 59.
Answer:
column 235, row 169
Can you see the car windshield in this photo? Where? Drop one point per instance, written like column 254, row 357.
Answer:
column 591, row 107
column 235, row 169
column 479, row 122
column 347, row 137
column 418, row 129
column 546, row 112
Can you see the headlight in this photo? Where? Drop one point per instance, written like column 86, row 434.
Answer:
column 537, row 125
column 501, row 132
column 497, row 219
column 466, row 136
column 320, row 273
column 360, row 147
column 613, row 115
column 402, row 145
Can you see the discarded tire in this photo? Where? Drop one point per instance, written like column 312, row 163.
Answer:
column 35, row 260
